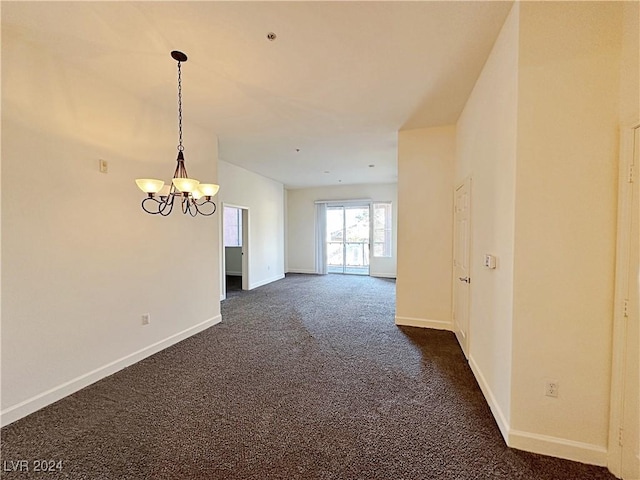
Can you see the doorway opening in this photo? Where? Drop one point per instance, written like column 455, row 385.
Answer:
column 347, row 240
column 235, row 243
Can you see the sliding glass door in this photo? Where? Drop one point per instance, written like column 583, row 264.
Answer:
column 348, row 239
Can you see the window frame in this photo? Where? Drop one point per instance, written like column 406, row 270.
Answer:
column 387, row 230
column 238, row 225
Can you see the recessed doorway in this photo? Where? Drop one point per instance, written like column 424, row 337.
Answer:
column 235, row 220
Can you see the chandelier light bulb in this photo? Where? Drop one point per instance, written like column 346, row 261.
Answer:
column 186, row 185
column 208, row 189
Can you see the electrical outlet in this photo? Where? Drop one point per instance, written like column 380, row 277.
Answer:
column 146, row 319
column 551, row 388
column 104, row 166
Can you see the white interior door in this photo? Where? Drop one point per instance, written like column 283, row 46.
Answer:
column 624, row 441
column 461, row 267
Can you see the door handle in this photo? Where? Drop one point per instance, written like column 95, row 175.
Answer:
column 464, row 279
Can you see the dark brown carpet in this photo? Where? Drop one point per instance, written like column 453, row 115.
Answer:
column 234, row 284
column 306, row 378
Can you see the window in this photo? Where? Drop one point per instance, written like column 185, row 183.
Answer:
column 232, row 227
column 382, row 229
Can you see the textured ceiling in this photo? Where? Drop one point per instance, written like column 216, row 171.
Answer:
column 338, row 82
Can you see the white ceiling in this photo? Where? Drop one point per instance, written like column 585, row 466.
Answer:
column 338, row 82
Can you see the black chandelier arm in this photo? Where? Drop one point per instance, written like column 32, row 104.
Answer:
column 163, row 207
column 166, row 206
column 186, row 205
column 207, row 201
column 193, row 211
column 155, row 201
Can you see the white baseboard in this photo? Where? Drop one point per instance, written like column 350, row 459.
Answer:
column 498, row 415
column 41, row 400
column 424, row 323
column 371, row 274
column 534, row 442
column 264, row 282
column 558, row 447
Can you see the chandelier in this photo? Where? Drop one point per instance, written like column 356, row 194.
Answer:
column 195, row 197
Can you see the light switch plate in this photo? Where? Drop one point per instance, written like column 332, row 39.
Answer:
column 489, row 261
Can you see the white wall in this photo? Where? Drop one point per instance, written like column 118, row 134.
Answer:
column 265, row 200
column 81, row 262
column 538, row 135
column 630, row 65
column 301, row 223
column 426, row 160
column 565, row 213
column 486, row 152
